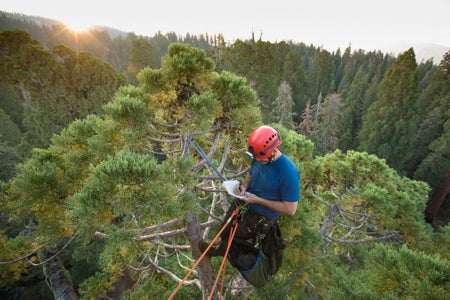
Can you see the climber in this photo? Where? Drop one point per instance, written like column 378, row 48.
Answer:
column 271, row 188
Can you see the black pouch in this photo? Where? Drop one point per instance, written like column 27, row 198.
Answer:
column 259, row 273
column 273, row 246
column 250, row 261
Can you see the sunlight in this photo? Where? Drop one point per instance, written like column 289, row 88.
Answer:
column 77, row 25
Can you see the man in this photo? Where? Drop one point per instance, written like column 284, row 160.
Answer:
column 273, row 182
column 270, row 188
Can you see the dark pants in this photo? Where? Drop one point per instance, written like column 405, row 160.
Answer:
column 250, row 224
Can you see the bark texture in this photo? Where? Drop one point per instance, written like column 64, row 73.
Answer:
column 57, row 277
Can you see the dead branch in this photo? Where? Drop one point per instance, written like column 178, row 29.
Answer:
column 161, row 235
column 168, row 224
column 333, row 213
column 161, row 270
column 390, row 236
column 320, row 199
column 153, row 139
column 170, row 246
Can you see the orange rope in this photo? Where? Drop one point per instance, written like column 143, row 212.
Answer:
column 235, row 213
column 230, row 241
column 224, row 262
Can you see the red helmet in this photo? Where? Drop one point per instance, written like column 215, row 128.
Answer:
column 263, row 141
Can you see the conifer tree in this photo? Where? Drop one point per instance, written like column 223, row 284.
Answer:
column 293, row 74
column 394, row 274
column 125, row 193
column 351, row 117
column 9, row 138
column 321, row 75
column 362, row 202
column 306, row 126
column 142, row 54
column 326, row 127
column 391, row 123
column 55, row 87
column 283, row 106
column 101, row 180
column 434, row 106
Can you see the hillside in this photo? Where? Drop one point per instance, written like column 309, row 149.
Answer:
column 423, row 52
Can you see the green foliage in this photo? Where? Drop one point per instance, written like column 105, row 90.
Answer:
column 282, row 111
column 186, row 64
column 326, row 126
column 10, row 249
column 9, row 138
column 206, row 107
column 261, row 63
column 296, row 146
column 391, row 122
column 123, row 174
column 10, row 103
column 435, row 132
column 373, row 202
column 127, row 111
column 392, row 274
column 95, row 287
column 439, row 244
column 352, row 110
column 294, row 74
column 55, row 87
column 37, row 192
column 364, row 184
column 320, row 79
column 121, row 184
column 142, row 54
column 238, row 104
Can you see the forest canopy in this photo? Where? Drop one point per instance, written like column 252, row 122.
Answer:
column 101, row 186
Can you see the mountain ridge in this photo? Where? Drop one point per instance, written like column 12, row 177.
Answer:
column 423, row 51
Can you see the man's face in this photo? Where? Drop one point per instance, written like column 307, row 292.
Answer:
column 267, row 160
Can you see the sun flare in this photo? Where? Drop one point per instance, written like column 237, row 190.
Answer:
column 77, row 25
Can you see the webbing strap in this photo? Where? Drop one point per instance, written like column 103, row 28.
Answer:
column 205, row 157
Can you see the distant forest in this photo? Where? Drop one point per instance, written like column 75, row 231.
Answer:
column 345, row 101
column 325, row 96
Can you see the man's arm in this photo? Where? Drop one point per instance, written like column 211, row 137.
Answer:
column 283, row 207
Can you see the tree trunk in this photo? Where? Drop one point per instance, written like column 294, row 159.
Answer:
column 438, row 197
column 206, row 273
column 57, row 277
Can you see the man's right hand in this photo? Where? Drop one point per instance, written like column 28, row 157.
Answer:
column 239, row 189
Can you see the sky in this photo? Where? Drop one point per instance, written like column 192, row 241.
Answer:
column 332, row 24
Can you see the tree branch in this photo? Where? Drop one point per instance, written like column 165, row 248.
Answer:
column 390, row 236
column 23, row 257
column 333, row 213
column 161, row 270
column 160, row 235
column 170, row 246
column 165, row 225
column 54, row 255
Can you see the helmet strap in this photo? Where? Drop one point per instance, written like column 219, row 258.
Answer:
column 272, row 157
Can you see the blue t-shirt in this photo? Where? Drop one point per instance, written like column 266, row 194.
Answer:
column 277, row 181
